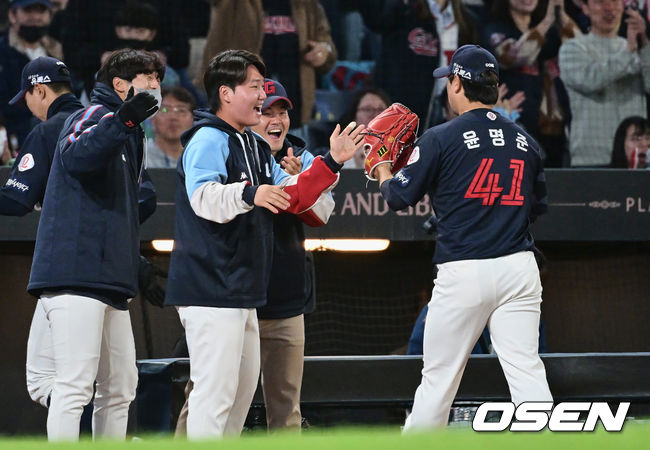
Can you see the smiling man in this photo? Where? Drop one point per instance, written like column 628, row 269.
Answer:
column 229, row 188
column 86, row 256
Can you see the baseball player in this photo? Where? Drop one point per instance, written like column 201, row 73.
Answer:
column 229, row 189
column 485, row 180
column 90, row 223
column 281, row 320
column 46, row 89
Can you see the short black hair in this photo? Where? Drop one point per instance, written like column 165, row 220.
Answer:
column 138, row 15
column 181, row 94
column 127, row 63
column 229, row 68
column 486, row 92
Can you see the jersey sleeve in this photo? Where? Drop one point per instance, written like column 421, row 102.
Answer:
column 309, row 190
column 409, row 185
column 28, row 178
column 90, row 140
column 204, row 162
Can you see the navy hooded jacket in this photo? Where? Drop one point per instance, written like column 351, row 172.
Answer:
column 223, row 245
column 88, row 235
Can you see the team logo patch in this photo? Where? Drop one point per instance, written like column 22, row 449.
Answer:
column 402, row 179
column 491, row 116
column 39, row 79
column 382, row 151
column 26, row 162
column 415, row 156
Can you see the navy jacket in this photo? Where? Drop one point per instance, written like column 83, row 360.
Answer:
column 26, row 184
column 222, row 264
column 286, row 296
column 88, row 234
column 223, row 249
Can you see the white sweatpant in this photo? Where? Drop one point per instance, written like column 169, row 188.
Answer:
column 91, row 341
column 224, row 347
column 40, row 369
column 503, row 292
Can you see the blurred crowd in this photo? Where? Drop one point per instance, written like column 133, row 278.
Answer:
column 575, row 74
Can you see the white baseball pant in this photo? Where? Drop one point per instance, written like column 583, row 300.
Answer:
column 503, row 292
column 40, row 368
column 224, row 348
column 91, row 341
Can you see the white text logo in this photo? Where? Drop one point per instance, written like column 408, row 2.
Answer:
column 535, row 416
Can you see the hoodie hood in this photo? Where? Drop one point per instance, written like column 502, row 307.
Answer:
column 103, row 94
column 205, row 118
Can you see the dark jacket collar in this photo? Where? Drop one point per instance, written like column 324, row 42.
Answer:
column 65, row 102
column 206, row 118
column 105, row 95
column 294, row 142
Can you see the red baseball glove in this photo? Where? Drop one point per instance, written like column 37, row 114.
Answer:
column 389, row 138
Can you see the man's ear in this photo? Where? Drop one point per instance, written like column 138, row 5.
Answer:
column 121, row 86
column 40, row 90
column 456, row 85
column 225, row 93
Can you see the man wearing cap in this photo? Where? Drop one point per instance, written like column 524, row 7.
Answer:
column 46, row 89
column 485, row 179
column 26, row 39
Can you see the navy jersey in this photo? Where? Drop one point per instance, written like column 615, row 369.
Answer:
column 485, row 179
column 26, row 184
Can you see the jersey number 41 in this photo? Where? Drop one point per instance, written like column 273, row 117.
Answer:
column 485, row 185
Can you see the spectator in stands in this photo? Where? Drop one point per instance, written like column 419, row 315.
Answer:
column 90, row 31
column 26, row 39
column 175, row 116
column 364, row 106
column 525, row 39
column 417, row 37
column 293, row 38
column 606, row 77
column 631, row 144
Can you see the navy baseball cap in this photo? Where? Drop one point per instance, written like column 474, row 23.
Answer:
column 25, row 3
column 274, row 92
column 469, row 62
column 42, row 70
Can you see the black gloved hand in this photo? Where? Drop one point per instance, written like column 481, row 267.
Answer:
column 148, row 282
column 136, row 108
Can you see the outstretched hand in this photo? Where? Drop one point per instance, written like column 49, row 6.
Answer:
column 271, row 197
column 343, row 144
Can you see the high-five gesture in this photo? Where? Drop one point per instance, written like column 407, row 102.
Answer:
column 272, row 198
column 343, row 144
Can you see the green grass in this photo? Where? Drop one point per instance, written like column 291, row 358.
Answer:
column 634, row 436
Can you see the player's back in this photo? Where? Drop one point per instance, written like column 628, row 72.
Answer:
column 486, row 183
